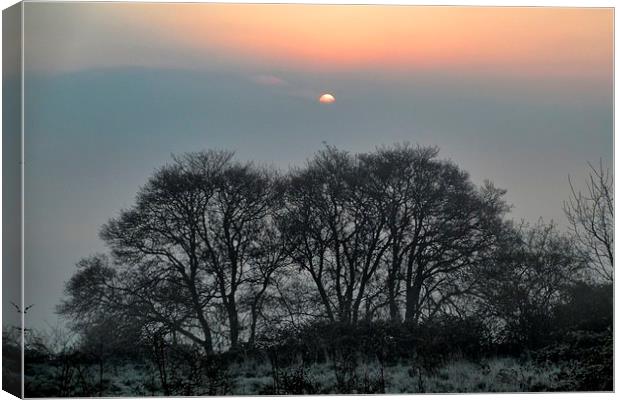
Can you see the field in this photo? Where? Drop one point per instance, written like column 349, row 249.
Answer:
column 499, row 374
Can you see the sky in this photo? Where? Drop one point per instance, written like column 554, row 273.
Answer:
column 520, row 96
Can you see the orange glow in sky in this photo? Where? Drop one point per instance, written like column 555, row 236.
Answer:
column 535, row 41
column 528, row 40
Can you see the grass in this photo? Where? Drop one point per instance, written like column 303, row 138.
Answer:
column 459, row 376
column 489, row 375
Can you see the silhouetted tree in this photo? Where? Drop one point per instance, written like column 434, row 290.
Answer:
column 390, row 254
column 196, row 241
column 334, row 226
column 531, row 272
column 438, row 225
column 391, row 227
column 591, row 218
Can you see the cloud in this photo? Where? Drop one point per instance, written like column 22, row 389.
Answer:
column 269, row 80
column 285, row 87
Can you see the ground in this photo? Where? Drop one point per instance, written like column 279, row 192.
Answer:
column 503, row 374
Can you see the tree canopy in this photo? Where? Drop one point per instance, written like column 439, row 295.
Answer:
column 217, row 252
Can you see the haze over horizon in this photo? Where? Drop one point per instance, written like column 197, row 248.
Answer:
column 522, row 97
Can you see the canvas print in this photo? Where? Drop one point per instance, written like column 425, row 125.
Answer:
column 296, row 199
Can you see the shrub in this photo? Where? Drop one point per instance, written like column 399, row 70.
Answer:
column 589, row 307
column 587, row 359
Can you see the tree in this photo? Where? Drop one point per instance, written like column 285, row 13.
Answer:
column 438, row 225
column 158, row 244
column 238, row 238
column 264, row 268
column 334, row 227
column 189, row 250
column 391, row 174
column 529, row 275
column 111, row 306
column 591, row 218
column 396, row 227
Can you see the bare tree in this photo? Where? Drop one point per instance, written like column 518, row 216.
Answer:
column 529, row 274
column 188, row 252
column 397, row 215
column 158, row 243
column 238, row 243
column 264, row 269
column 391, row 171
column 438, row 225
column 591, row 217
column 100, row 292
column 334, row 225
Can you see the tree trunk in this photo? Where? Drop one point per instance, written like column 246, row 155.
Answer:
column 413, row 297
column 204, row 324
column 393, row 292
column 207, row 344
column 322, row 294
column 233, row 319
column 254, row 316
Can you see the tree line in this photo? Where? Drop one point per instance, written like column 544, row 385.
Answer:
column 219, row 253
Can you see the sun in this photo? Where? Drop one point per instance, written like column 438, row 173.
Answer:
column 327, row 98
